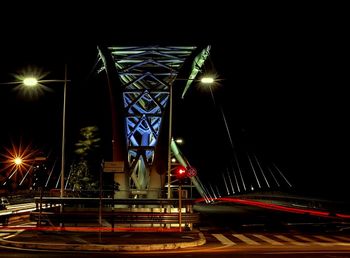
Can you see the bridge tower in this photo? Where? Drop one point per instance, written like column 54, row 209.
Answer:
column 140, row 81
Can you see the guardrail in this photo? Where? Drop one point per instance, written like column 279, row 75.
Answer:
column 88, row 210
column 110, row 201
column 81, row 217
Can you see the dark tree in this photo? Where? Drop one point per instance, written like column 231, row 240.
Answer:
column 83, row 175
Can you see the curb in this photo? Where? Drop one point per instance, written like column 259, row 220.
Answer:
column 106, row 248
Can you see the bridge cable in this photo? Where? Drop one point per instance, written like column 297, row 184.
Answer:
column 229, row 178
column 262, row 172
column 251, row 164
column 228, row 192
column 282, row 175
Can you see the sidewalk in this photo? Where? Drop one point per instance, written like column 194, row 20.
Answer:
column 103, row 241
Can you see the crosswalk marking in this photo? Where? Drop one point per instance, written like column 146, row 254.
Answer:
column 325, row 239
column 311, row 241
column 280, row 239
column 343, row 238
column 308, row 240
column 289, row 240
column 246, row 239
column 266, row 239
column 224, row 240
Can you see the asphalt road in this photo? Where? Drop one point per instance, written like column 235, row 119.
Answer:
column 232, row 252
column 312, row 237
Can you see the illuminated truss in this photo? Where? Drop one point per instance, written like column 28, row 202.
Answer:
column 146, row 75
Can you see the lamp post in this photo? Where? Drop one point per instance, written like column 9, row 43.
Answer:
column 169, row 137
column 33, row 82
column 63, row 133
column 204, row 80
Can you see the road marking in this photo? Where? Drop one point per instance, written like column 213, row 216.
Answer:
column 289, row 240
column 3, row 234
column 299, row 240
column 326, row 239
column 246, row 239
column 224, row 240
column 268, row 240
column 310, row 241
column 343, row 238
column 14, row 234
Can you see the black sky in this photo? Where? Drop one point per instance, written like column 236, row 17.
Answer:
column 283, row 88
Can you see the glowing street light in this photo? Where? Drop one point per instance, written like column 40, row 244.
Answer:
column 207, row 80
column 35, row 84
column 179, row 141
column 18, row 161
column 32, row 82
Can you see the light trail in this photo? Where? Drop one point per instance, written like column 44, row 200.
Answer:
column 282, row 208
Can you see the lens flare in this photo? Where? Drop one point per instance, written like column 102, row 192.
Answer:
column 30, row 88
column 30, row 81
column 16, row 161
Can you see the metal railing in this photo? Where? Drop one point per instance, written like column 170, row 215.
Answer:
column 79, row 210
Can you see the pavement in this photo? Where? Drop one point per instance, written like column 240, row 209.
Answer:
column 88, row 239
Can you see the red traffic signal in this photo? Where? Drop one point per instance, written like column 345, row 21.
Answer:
column 180, row 172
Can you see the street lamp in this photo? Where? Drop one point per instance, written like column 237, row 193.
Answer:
column 18, row 161
column 34, row 82
column 205, row 80
column 179, row 141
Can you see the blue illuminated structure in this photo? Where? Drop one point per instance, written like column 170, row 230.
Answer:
column 146, row 75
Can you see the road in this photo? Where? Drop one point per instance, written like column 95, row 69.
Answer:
column 289, row 236
column 252, row 242
column 189, row 253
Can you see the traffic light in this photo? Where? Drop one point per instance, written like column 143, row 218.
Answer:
column 180, row 172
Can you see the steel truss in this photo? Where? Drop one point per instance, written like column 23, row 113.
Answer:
column 146, row 75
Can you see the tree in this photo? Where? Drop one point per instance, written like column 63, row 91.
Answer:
column 83, row 175
column 90, row 143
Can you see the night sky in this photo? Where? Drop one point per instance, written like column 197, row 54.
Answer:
column 282, row 90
